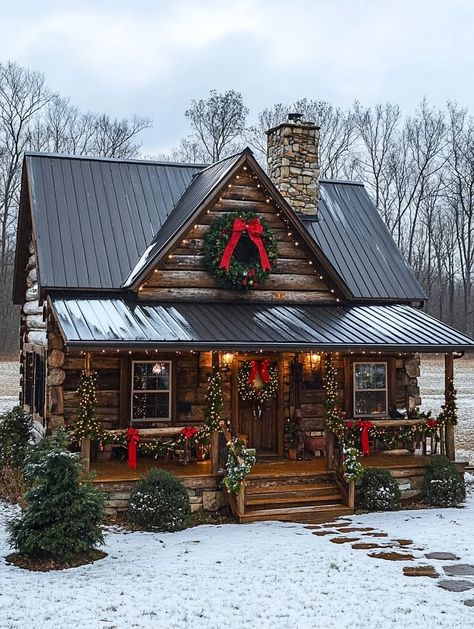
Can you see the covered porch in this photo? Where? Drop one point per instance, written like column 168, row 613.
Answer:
column 181, row 346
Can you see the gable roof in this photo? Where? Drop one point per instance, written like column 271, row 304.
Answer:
column 203, row 184
column 101, row 223
column 93, row 217
column 357, row 243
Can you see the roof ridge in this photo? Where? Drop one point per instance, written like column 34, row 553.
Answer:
column 127, row 160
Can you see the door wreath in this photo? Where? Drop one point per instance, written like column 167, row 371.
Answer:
column 239, row 250
column 257, row 383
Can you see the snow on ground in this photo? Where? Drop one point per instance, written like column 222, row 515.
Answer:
column 258, row 575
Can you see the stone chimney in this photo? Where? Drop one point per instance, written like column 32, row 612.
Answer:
column 292, row 154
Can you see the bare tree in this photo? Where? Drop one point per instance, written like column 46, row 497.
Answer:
column 217, row 122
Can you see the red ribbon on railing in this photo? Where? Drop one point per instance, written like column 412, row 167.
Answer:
column 365, row 426
column 189, row 431
column 133, row 439
column 257, row 366
column 254, row 230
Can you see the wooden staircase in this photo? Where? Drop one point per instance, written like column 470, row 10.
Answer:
column 311, row 497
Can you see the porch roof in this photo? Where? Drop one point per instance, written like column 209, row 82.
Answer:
column 105, row 323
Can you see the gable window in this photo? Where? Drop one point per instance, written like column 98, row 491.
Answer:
column 151, row 391
column 370, row 389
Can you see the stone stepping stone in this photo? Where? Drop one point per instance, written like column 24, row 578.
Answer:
column 442, row 556
column 420, row 571
column 469, row 602
column 368, row 546
column 455, row 585
column 324, row 533
column 459, row 570
column 344, row 540
column 403, row 542
column 352, row 529
column 392, row 556
column 376, row 534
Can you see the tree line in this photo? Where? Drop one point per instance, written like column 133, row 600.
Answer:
column 418, row 169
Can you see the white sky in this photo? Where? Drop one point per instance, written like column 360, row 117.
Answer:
column 152, row 56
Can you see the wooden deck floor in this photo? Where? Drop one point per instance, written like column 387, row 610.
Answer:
column 119, row 470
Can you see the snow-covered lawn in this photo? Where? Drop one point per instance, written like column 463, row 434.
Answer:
column 258, row 575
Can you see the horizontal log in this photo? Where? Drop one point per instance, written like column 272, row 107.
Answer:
column 33, row 308
column 56, row 377
column 216, row 294
column 286, row 249
column 196, row 262
column 104, row 398
column 272, row 219
column 56, row 358
column 35, row 322
column 239, row 205
column 204, row 279
column 247, row 192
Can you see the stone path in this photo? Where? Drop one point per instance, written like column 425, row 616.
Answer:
column 389, row 550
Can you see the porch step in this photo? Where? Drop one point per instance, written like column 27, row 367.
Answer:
column 306, row 514
column 292, row 500
column 309, row 488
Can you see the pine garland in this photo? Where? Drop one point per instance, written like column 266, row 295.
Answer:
column 87, row 424
column 240, row 461
column 214, row 400
column 449, row 414
column 334, row 421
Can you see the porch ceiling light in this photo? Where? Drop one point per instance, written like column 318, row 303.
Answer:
column 227, row 359
column 315, row 360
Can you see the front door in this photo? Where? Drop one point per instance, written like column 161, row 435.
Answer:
column 261, row 429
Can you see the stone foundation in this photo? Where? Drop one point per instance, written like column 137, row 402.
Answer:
column 204, row 494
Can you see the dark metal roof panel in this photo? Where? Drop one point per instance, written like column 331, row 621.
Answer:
column 197, row 192
column 89, row 322
column 354, row 238
column 95, row 217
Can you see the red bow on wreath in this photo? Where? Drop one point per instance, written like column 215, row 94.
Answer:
column 259, row 366
column 132, row 438
column 365, row 426
column 254, row 230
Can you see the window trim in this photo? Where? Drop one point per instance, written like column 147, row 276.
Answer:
column 355, row 390
column 169, row 390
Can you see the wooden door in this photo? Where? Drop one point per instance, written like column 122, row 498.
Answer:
column 261, row 431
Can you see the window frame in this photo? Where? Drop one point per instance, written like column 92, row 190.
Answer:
column 355, row 390
column 169, row 390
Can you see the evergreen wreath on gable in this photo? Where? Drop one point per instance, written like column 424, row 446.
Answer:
column 239, row 250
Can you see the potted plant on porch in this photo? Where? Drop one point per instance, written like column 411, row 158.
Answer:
column 291, row 438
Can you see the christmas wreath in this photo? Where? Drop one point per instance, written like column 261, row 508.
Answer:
column 257, row 383
column 239, row 250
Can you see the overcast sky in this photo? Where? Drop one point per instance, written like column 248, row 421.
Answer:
column 152, row 57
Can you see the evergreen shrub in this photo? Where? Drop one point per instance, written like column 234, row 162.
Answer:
column 159, row 501
column 443, row 485
column 379, row 491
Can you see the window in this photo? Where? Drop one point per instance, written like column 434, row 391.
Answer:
column 370, row 389
column 151, row 391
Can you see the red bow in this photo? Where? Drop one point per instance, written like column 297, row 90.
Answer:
column 259, row 366
column 189, row 431
column 254, row 230
column 133, row 439
column 431, row 423
column 365, row 426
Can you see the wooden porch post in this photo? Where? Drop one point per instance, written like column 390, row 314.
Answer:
column 86, row 442
column 449, row 428
column 215, row 433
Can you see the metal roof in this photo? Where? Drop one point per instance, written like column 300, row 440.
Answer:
column 101, row 222
column 102, row 323
column 197, row 192
column 94, row 218
column 357, row 243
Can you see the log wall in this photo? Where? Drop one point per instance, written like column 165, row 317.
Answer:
column 295, row 277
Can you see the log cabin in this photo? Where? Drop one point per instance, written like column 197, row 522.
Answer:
column 285, row 289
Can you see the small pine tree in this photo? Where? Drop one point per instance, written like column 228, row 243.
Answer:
column 63, row 514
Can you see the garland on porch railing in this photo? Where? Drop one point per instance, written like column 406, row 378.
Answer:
column 350, row 431
column 240, row 461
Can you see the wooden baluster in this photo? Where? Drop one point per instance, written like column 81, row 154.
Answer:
column 240, row 500
column 214, row 452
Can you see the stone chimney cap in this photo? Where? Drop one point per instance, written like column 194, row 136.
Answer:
column 295, row 117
